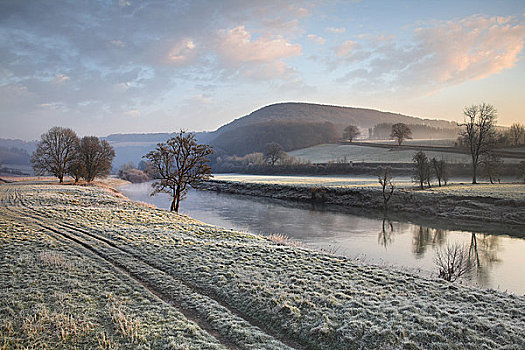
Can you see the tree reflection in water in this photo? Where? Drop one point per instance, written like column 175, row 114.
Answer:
column 426, row 236
column 385, row 235
column 483, row 253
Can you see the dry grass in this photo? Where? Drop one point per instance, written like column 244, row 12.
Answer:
column 54, row 259
column 283, row 239
column 125, row 324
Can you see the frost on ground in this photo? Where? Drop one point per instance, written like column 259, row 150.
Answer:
column 57, row 294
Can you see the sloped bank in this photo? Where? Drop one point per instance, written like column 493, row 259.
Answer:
column 459, row 211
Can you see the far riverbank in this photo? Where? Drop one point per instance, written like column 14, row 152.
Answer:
column 494, row 208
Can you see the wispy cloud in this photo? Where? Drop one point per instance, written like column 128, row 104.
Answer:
column 334, row 30
column 316, row 39
column 442, row 53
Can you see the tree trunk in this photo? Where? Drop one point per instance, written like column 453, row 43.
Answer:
column 474, row 166
column 61, row 179
column 176, row 200
column 177, row 205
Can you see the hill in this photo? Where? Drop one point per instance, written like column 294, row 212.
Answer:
column 339, row 116
column 284, row 121
column 293, row 125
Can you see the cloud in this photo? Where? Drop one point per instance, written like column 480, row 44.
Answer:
column 60, row 79
column 442, row 53
column 281, row 26
column 472, row 48
column 257, row 58
column 345, row 49
column 340, row 30
column 316, row 39
column 182, row 52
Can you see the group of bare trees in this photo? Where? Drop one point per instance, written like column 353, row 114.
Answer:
column 61, row 152
column 427, row 169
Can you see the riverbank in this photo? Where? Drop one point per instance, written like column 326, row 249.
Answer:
column 84, row 267
column 492, row 207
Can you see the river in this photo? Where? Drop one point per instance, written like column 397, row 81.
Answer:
column 365, row 235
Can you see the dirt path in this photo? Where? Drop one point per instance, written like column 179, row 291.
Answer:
column 198, row 305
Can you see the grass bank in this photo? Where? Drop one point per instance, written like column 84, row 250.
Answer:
column 83, row 268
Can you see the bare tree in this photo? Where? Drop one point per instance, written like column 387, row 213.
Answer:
column 401, row 132
column 452, row 262
column 95, row 156
column 273, row 153
column 491, row 166
column 385, row 180
column 351, row 132
column 77, row 169
column 479, row 132
column 179, row 162
column 521, row 170
column 440, row 170
column 422, row 171
column 517, row 133
column 55, row 152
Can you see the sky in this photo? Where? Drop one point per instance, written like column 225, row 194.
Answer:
column 103, row 67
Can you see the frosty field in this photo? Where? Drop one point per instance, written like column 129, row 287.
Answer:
column 358, row 153
column 83, row 267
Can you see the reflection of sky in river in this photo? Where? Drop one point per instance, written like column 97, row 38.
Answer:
column 357, row 235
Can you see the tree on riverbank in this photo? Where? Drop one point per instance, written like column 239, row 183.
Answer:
column 55, row 153
column 179, row 162
column 422, row 170
column 385, row 180
column 479, row 133
column 95, row 157
column 440, row 170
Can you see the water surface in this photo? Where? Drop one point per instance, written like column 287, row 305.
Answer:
column 363, row 234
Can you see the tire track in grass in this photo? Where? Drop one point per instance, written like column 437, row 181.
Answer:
column 124, row 278
column 230, row 326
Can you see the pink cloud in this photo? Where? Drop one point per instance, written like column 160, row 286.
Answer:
column 346, row 48
column 472, row 48
column 182, row 52
column 443, row 53
column 255, row 58
column 336, row 30
column 316, row 39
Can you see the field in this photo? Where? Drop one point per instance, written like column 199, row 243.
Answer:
column 82, row 267
column 457, row 187
column 354, row 153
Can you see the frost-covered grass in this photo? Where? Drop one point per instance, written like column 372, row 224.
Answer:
column 314, row 299
column 53, row 296
column 323, row 181
column 357, row 153
column 498, row 191
column 455, row 187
